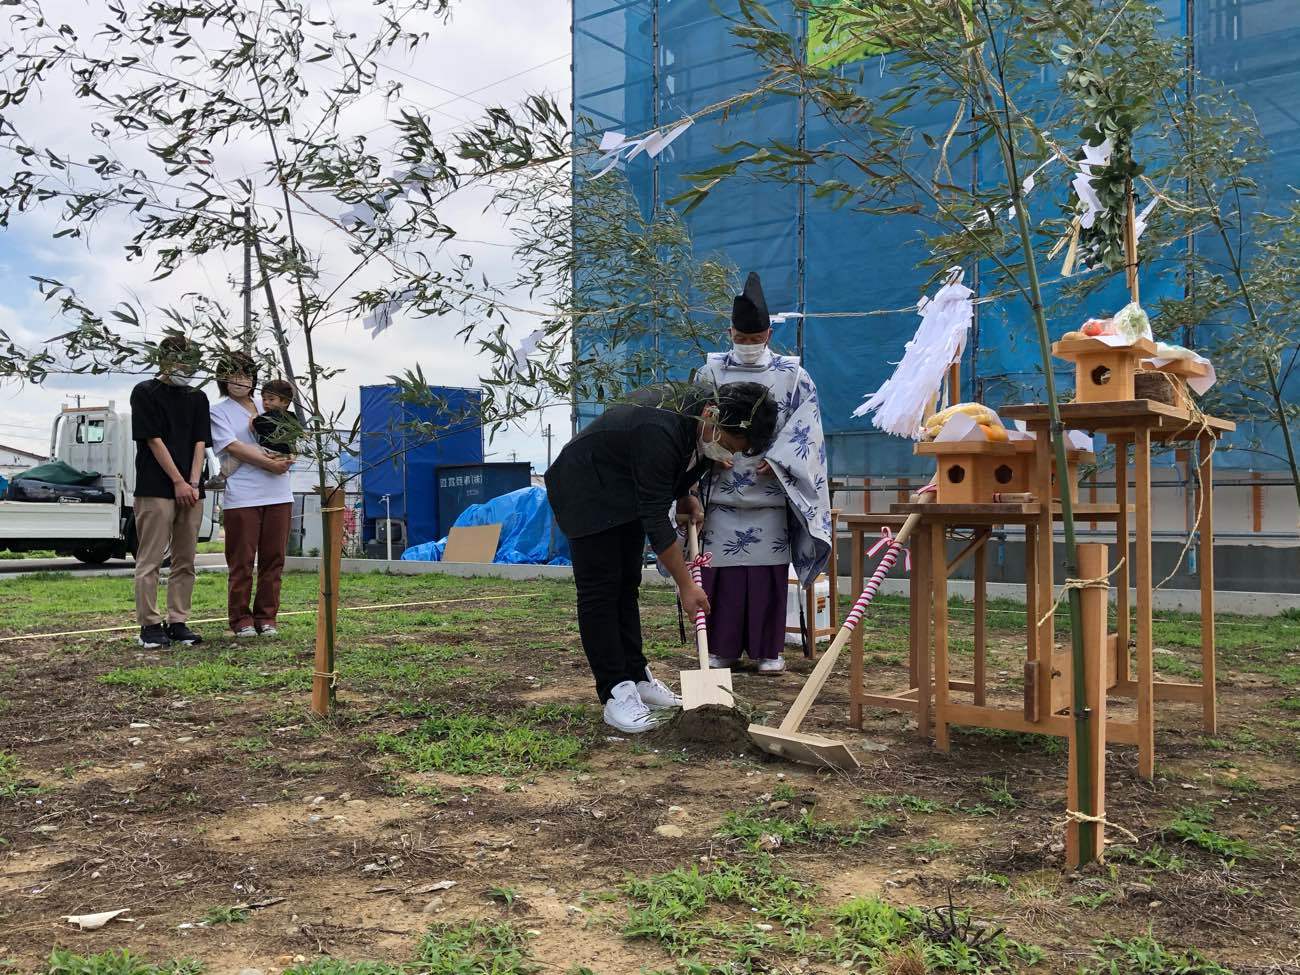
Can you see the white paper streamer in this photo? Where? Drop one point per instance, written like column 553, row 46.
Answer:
column 900, row 404
column 526, row 348
column 380, row 318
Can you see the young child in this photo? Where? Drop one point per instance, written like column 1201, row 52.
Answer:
column 275, row 427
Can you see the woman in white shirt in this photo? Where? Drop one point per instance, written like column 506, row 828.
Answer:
column 257, row 508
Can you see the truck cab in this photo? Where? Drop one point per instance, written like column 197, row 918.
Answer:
column 91, row 438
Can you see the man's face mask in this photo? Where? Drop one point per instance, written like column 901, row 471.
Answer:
column 714, row 450
column 749, row 355
column 181, row 376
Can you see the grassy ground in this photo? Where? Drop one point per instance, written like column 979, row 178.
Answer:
column 465, row 813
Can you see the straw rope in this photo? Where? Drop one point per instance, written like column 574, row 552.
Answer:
column 296, row 612
column 1101, row 582
column 1074, row 816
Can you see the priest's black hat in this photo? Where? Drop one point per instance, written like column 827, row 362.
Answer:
column 749, row 309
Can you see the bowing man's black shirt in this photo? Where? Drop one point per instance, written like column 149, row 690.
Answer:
column 630, row 464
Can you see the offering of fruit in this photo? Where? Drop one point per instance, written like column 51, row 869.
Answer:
column 995, row 432
column 978, row 412
column 1097, row 326
column 1071, row 336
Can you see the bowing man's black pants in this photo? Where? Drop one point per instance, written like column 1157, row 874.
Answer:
column 607, row 573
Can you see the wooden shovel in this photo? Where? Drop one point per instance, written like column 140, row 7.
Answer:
column 788, row 741
column 703, row 686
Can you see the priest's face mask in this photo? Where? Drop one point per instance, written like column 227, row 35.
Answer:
column 750, row 347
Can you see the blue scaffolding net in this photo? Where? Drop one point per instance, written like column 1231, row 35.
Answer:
column 643, row 65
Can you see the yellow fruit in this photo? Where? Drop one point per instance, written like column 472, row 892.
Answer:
column 995, row 433
column 976, row 411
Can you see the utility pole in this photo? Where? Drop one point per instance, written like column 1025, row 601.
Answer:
column 78, row 397
column 277, row 326
column 548, row 446
column 248, row 280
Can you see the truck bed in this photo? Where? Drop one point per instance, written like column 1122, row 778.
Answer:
column 54, row 521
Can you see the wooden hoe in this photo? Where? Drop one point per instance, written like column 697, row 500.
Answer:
column 788, row 741
column 703, row 686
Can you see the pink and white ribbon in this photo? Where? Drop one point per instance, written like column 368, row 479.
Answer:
column 887, row 538
column 701, row 561
column 869, row 592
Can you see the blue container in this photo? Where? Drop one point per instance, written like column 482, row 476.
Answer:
column 461, row 485
column 399, row 461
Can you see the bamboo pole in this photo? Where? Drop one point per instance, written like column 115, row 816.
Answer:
column 327, row 608
column 1130, row 241
column 1088, row 744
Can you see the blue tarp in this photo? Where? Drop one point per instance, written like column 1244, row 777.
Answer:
column 529, row 535
column 642, row 64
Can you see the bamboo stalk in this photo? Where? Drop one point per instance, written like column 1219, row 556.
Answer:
column 1130, row 241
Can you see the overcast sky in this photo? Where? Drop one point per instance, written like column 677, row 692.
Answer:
column 476, row 51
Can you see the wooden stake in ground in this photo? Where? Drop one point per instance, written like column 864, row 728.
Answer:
column 327, row 608
column 703, row 686
column 787, row 740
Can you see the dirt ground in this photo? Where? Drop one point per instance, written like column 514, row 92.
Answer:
column 465, row 807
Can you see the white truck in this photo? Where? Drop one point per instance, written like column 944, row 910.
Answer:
column 94, row 438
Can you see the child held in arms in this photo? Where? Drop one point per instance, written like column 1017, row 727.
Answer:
column 275, row 428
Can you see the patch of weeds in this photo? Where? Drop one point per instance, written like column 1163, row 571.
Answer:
column 1155, row 857
column 997, row 794
column 1192, row 827
column 1289, row 704
column 64, row 962
column 760, row 832
column 251, row 744
column 1236, row 781
column 784, row 792
column 473, row 948
column 1146, row 956
column 906, row 802
column 1024, row 740
column 857, row 834
column 930, row 848
column 671, row 909
column 868, row 933
column 1091, row 901
column 12, row 784
column 203, row 677
column 472, row 744
column 503, row 895
column 1177, row 667
column 226, row 915
column 335, row 966
column 989, row 881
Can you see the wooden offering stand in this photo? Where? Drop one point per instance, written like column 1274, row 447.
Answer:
column 1103, row 373
column 1136, row 425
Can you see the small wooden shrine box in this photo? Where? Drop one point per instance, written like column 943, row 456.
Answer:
column 972, row 471
column 1103, row 373
column 1073, row 459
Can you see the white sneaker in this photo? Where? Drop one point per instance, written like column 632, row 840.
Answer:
column 717, row 663
column 268, row 631
column 655, row 693
column 627, row 712
column 773, row 666
column 245, row 633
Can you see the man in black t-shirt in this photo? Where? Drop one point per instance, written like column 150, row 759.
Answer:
column 170, row 426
